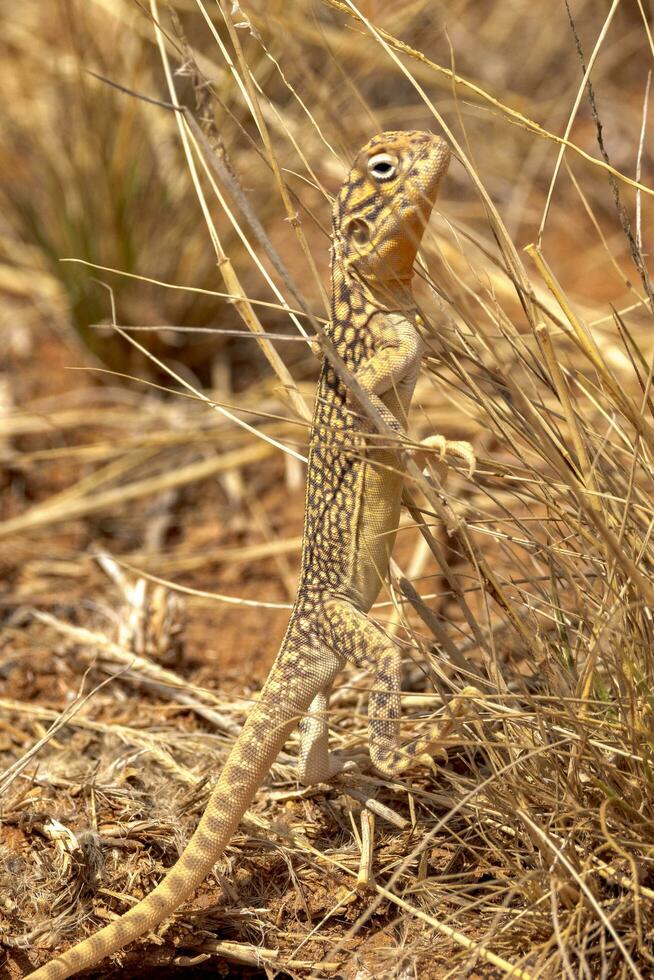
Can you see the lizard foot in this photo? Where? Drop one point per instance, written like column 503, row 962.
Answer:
column 429, row 750
column 457, row 448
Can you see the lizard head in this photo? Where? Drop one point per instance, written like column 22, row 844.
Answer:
column 383, row 207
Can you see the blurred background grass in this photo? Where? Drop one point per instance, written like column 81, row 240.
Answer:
column 541, row 846
column 92, row 174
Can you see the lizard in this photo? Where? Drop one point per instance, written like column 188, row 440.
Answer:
column 352, row 508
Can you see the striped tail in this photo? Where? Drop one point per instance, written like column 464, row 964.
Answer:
column 287, row 694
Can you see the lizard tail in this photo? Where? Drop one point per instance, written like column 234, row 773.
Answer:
column 268, row 726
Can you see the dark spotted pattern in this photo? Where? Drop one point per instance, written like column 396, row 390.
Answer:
column 367, row 283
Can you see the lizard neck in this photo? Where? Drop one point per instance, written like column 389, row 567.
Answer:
column 355, row 300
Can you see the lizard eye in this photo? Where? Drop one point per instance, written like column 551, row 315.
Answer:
column 358, row 231
column 382, row 166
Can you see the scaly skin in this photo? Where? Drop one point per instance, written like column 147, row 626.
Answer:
column 354, row 487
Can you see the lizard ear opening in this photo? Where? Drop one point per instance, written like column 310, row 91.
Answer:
column 358, row 231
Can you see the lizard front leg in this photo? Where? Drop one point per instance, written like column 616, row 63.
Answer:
column 393, row 367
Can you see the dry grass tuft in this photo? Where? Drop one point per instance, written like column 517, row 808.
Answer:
column 149, row 530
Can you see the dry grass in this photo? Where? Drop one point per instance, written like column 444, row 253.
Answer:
column 149, row 539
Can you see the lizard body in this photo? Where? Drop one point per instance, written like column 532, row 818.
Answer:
column 353, row 498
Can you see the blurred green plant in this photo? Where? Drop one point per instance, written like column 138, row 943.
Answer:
column 93, row 174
